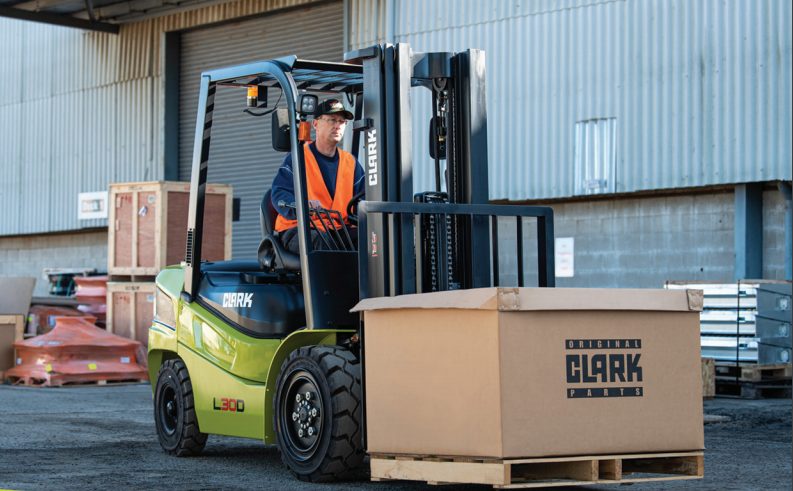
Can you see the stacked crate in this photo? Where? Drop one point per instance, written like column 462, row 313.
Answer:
column 745, row 327
column 147, row 232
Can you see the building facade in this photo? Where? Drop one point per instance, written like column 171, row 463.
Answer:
column 658, row 131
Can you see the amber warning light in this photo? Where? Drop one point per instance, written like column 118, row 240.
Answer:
column 253, row 95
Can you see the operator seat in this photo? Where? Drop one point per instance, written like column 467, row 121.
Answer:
column 273, row 256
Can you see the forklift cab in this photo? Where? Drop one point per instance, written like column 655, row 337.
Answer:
column 280, row 291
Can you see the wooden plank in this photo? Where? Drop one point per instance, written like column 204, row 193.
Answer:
column 454, row 472
column 134, row 238
column 122, row 232
column 146, row 214
column 547, row 484
column 708, row 378
column 603, row 457
column 610, row 469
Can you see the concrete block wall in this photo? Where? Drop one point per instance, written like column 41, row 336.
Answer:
column 645, row 241
column 30, row 255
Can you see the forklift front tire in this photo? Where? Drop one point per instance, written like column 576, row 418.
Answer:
column 174, row 411
column 318, row 414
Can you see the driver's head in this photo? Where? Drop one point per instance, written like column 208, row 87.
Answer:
column 330, row 120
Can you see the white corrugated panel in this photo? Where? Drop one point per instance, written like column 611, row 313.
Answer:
column 81, row 109
column 64, row 111
column 11, row 164
column 11, row 82
column 701, row 90
column 36, row 182
column 240, row 152
column 135, row 132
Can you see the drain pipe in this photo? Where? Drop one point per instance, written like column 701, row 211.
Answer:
column 785, row 189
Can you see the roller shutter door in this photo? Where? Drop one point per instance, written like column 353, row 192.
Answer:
column 240, row 152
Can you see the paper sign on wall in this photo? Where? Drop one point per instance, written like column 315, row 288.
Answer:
column 564, row 257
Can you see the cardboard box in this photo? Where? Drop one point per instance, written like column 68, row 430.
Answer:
column 14, row 306
column 533, row 372
column 12, row 328
column 148, row 226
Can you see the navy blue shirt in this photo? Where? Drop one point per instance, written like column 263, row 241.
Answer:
column 283, row 185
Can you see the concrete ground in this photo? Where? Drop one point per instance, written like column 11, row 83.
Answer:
column 103, row 437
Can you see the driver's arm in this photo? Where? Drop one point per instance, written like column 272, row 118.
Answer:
column 283, row 189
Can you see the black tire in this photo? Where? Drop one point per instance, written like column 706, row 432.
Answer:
column 332, row 377
column 174, row 411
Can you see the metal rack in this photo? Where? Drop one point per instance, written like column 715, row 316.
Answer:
column 729, row 319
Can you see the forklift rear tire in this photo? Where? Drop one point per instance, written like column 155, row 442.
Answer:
column 317, row 414
column 174, row 411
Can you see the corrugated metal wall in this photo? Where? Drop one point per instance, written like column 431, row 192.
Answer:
column 240, row 152
column 701, row 90
column 79, row 110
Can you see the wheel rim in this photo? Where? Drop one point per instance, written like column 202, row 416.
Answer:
column 169, row 410
column 301, row 416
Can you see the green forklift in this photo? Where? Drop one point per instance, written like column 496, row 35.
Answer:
column 267, row 348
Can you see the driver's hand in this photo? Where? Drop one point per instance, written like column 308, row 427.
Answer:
column 314, row 203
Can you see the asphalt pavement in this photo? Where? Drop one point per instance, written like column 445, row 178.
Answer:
column 103, row 437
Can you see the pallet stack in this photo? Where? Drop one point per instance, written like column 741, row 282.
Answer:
column 147, row 232
column 745, row 327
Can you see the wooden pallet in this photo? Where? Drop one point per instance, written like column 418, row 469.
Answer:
column 541, row 472
column 39, row 382
column 753, row 373
column 780, row 389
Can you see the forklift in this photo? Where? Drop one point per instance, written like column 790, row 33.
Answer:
column 268, row 348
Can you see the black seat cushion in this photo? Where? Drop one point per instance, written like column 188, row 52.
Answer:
column 272, row 253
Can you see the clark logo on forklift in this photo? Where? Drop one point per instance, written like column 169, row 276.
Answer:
column 237, row 299
column 371, row 156
column 587, row 363
column 231, row 405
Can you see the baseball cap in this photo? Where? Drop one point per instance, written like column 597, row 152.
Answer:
column 332, row 106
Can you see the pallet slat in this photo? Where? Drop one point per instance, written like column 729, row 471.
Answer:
column 540, row 472
column 755, row 373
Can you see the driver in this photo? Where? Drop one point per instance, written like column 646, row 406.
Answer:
column 333, row 176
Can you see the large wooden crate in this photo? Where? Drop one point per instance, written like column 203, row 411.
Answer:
column 12, row 329
column 130, row 309
column 148, row 226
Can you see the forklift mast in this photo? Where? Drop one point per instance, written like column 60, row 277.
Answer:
column 458, row 135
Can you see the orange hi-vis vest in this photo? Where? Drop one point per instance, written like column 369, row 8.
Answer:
column 318, row 191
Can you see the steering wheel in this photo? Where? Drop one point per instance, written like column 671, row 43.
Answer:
column 352, row 208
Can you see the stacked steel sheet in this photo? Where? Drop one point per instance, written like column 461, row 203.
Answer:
column 76, row 351
column 727, row 321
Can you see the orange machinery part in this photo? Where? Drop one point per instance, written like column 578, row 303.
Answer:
column 76, row 351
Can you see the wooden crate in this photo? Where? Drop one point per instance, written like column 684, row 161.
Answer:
column 12, row 329
column 540, row 472
column 130, row 309
column 148, row 226
column 708, row 378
